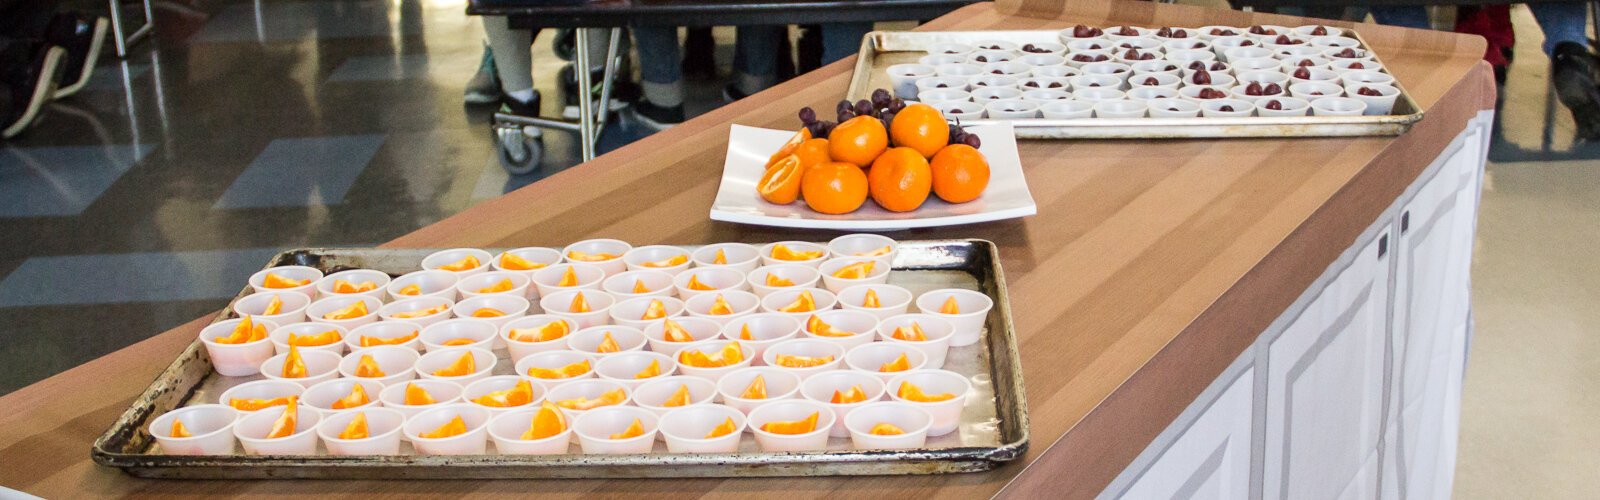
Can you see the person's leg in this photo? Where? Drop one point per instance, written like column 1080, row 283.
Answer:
column 484, row 87
column 840, row 40
column 700, row 54
column 1405, row 16
column 661, row 75
column 513, row 58
column 1572, row 66
column 755, row 65
column 1562, row 22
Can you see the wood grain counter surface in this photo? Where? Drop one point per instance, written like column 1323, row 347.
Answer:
column 1151, row 266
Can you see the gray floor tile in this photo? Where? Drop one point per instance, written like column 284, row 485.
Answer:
column 301, row 172
column 60, row 180
column 131, row 277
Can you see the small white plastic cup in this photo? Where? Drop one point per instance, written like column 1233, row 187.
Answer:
column 685, row 429
column 1338, row 106
column 399, row 311
column 472, row 442
column 781, row 384
column 432, row 283
column 1266, row 31
column 398, row 363
column 319, row 310
column 560, row 304
column 1290, row 106
column 506, row 431
column 444, row 393
column 1009, row 109
column 1344, row 65
column 870, row 358
column 995, row 81
column 711, row 347
column 718, row 278
column 950, row 48
column 777, row 300
column 699, row 328
column 1334, row 41
column 1120, row 109
column 595, row 428
column 903, row 78
column 939, row 331
column 742, row 303
column 1099, row 43
column 741, row 257
column 552, row 360
column 938, row 96
column 937, row 59
column 1095, row 80
column 1262, row 77
column 260, row 389
column 916, row 422
column 322, row 395
column 1313, row 75
column 1218, row 79
column 653, row 395
column 235, row 360
column 1145, row 94
column 385, row 330
column 1160, row 80
column 1310, row 31
column 806, row 347
column 483, row 387
column 943, row 82
column 1312, row 91
column 548, row 280
column 482, row 359
column 1056, row 72
column 600, row 246
column 821, row 388
column 1117, row 70
column 1094, row 95
column 1078, row 58
column 356, row 277
column 1227, row 108
column 1042, row 97
column 623, row 284
column 791, row 410
column 474, row 286
column 985, row 95
column 879, row 273
column 1067, row 110
column 865, row 245
column 960, row 110
column 258, row 280
column 541, row 257
column 442, row 258
column 1192, row 92
column 252, row 430
column 1183, row 57
column 802, row 276
column 630, row 312
column 892, row 299
column 588, row 340
column 1287, row 42
column 765, row 329
column 1352, row 79
column 1376, row 105
column 657, row 258
column 1289, row 64
column 590, row 389
column 1185, row 44
column 625, row 367
column 460, row 332
column 383, row 432
column 1338, row 53
column 1042, row 60
column 280, row 337
column 320, row 366
column 861, row 324
column 1000, row 45
column 1158, row 67
column 210, row 430
column 509, row 306
column 293, row 309
column 984, row 57
column 519, row 349
column 1173, row 108
column 946, row 414
column 969, row 323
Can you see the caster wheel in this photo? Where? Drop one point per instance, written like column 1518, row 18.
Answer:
column 519, row 151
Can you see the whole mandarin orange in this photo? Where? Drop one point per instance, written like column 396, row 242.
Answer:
column 834, row 188
column 900, row 179
column 813, row 152
column 858, row 141
column 790, row 146
column 920, row 127
column 960, row 173
column 781, row 183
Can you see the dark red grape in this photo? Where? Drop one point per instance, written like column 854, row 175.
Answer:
column 896, row 105
column 1201, row 77
column 843, row 106
column 807, row 115
column 1319, row 31
column 1128, row 31
column 1081, row 31
column 880, row 98
column 863, row 107
column 1272, row 89
column 1348, row 53
column 1273, row 104
column 1262, row 30
column 1152, row 81
column 1254, row 88
column 1211, row 94
column 1356, row 65
column 971, row 140
column 1197, row 65
column 1369, row 92
column 1226, row 108
column 1303, row 73
column 1219, row 66
column 1221, row 32
column 1247, row 43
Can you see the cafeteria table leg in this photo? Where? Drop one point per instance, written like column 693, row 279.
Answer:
column 585, row 99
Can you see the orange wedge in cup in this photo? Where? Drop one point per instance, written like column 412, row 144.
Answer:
column 668, row 262
column 649, row 371
column 854, row 395
column 590, row 257
column 368, row 367
column 781, row 182
column 354, row 310
column 274, row 306
column 695, row 284
column 678, row 398
column 729, row 355
column 634, row 430
column 455, row 427
column 369, row 341
column 569, row 371
column 458, row 342
column 517, row 395
column 802, row 303
column 910, row 392
column 884, row 250
column 569, row 278
column 607, row 345
column 275, row 281
column 342, row 286
column 421, row 312
column 913, row 334
column 721, row 259
column 819, row 328
column 899, row 364
column 744, row 333
column 790, row 361
column 950, row 306
column 465, row 365
column 871, row 300
column 357, row 428
column 513, row 262
column 467, row 263
column 579, row 304
column 550, row 331
column 548, row 421
column 720, row 307
column 854, row 271
column 178, row 430
column 656, row 310
column 886, row 429
column 417, row 396
column 609, row 398
column 314, row 340
column 638, row 287
column 357, row 397
column 246, row 331
column 792, row 427
column 674, row 332
column 488, row 312
column 256, row 404
column 774, row 280
column 504, row 285
column 293, row 365
column 783, row 252
column 725, row 428
column 756, row 390
column 412, row 289
column 284, row 426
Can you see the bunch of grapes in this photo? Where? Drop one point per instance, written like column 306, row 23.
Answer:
column 959, row 135
column 882, row 106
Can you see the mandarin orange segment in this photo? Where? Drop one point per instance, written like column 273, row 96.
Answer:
column 579, row 304
column 274, row 306
column 883, row 250
column 803, row 426
column 899, row 364
column 697, row 285
column 465, row 365
column 568, row 278
column 792, row 361
column 342, row 286
column 638, row 286
column 783, row 252
column 609, row 398
column 256, row 404
column 730, row 354
column 518, row 395
column 412, row 289
column 775, row 281
column 178, row 430
column 854, row 395
column 514, row 262
column 568, row 371
column 357, row 397
column 422, row 312
column 607, row 345
column 314, row 340
column 504, row 285
column 354, row 310
column 675, row 260
column 467, row 263
column 781, row 184
column 886, row 429
column 725, row 428
column 590, row 257
column 370, row 341
column 634, row 430
column 789, row 147
column 547, row 422
column 460, row 341
column 913, row 334
column 488, row 312
column 656, row 310
column 368, row 367
column 871, row 300
column 678, row 398
column 757, row 388
column 854, row 271
column 720, row 307
column 244, row 332
column 417, row 396
column 545, row 333
column 819, row 328
column 950, row 306
column 284, row 426
column 649, row 371
column 293, row 365
column 273, row 280
column 357, row 429
column 455, row 427
column 744, row 333
column 721, row 259
column 910, row 392
column 671, row 331
column 802, row 303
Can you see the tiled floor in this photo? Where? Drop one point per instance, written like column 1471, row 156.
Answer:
column 248, row 127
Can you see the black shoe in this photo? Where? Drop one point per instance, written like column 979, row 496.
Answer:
column 30, row 73
column 699, row 55
column 1573, row 70
column 484, row 87
column 511, row 105
column 82, row 37
column 623, row 93
column 731, row 92
column 657, row 117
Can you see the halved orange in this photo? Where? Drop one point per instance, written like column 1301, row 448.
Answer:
column 803, row 426
column 781, row 183
column 783, row 252
column 354, row 310
column 886, row 429
column 649, row 371
column 725, row 428
column 820, row 328
column 504, row 285
column 854, row 395
column 913, row 334
column 548, row 332
column 314, row 340
column 910, row 392
column 568, row 371
column 342, row 286
column 607, row 345
column 465, row 365
column 950, row 306
column 488, row 312
column 899, row 364
column 789, row 147
column 579, row 304
column 678, row 398
column 668, row 262
column 412, row 289
column 368, row 367
column 634, row 430
column 671, row 331
column 467, row 263
column 421, row 312
column 590, row 257
column 792, row 361
column 548, row 421
column 417, row 396
column 609, row 398
column 273, row 280
column 518, row 395
column 274, row 306
column 720, row 307
column 178, row 430
column 514, row 262
column 656, row 310
column 871, row 300
column 802, row 303
column 854, row 271
column 293, row 365
column 638, row 287
column 455, row 427
column 757, row 388
column 357, row 429
column 357, row 397
column 697, row 285
column 284, row 426
column 568, row 278
column 369, row 341
column 775, row 281
column 256, row 404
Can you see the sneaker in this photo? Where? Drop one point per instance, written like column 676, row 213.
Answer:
column 1573, row 70
column 511, row 105
column 658, row 117
column 82, row 37
column 623, row 91
column 31, row 85
column 484, row 87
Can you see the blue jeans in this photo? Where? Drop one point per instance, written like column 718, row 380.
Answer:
column 840, row 40
column 660, row 59
column 1561, row 22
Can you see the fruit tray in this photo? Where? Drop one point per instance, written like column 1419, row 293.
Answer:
column 907, row 51
column 993, row 427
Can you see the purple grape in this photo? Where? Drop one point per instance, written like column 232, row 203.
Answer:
column 896, row 105
column 842, row 107
column 846, row 115
column 888, row 118
column 807, row 115
column 881, row 98
column 971, row 140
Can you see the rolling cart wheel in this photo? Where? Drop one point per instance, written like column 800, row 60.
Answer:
column 519, row 151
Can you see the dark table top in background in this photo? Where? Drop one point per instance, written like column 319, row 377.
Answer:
column 624, row 13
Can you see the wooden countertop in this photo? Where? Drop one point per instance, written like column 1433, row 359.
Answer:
column 1151, row 265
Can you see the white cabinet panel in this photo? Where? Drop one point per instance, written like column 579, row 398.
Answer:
column 1211, row 459
column 1325, row 387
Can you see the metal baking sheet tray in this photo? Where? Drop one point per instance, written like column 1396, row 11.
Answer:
column 881, row 49
column 994, row 426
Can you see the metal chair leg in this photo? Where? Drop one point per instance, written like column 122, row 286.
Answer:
column 118, row 30
column 586, row 120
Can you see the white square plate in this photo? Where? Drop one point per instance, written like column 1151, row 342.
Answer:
column 1006, row 197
